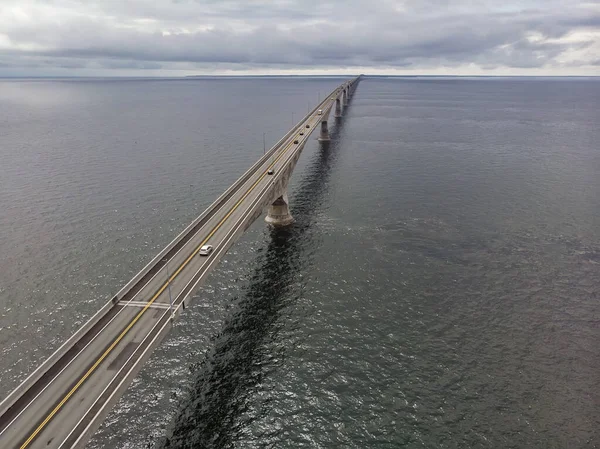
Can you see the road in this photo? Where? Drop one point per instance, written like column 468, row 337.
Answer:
column 65, row 401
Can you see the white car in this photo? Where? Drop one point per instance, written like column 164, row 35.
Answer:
column 205, row 250
column 320, row 112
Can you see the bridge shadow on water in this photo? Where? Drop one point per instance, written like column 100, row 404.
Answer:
column 252, row 343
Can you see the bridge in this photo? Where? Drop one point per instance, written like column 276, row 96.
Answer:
column 63, row 402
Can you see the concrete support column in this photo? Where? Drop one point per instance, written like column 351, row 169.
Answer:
column 345, row 97
column 279, row 212
column 338, row 108
column 324, row 136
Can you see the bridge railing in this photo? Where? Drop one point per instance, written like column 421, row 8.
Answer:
column 95, row 319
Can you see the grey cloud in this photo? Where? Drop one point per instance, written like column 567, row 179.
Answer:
column 145, row 35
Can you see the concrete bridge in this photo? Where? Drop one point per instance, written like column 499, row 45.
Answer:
column 63, row 402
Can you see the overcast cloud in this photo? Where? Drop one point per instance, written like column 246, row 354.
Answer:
column 183, row 37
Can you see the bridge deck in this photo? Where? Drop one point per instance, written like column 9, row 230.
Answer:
column 66, row 405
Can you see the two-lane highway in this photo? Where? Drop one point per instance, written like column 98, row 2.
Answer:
column 64, row 405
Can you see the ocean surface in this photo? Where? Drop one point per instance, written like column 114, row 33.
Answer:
column 440, row 287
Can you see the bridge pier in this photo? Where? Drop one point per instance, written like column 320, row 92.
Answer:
column 324, row 136
column 345, row 97
column 279, row 212
column 338, row 108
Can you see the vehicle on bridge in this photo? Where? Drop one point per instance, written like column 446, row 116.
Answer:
column 320, row 112
column 205, row 250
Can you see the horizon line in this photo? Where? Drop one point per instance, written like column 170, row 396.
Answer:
column 296, row 76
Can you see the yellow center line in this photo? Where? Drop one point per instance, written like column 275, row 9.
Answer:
column 139, row 315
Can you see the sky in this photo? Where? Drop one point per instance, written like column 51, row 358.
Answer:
column 257, row 37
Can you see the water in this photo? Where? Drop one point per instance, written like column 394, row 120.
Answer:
column 439, row 288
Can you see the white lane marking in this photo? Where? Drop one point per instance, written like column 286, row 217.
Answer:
column 154, row 305
column 144, row 304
